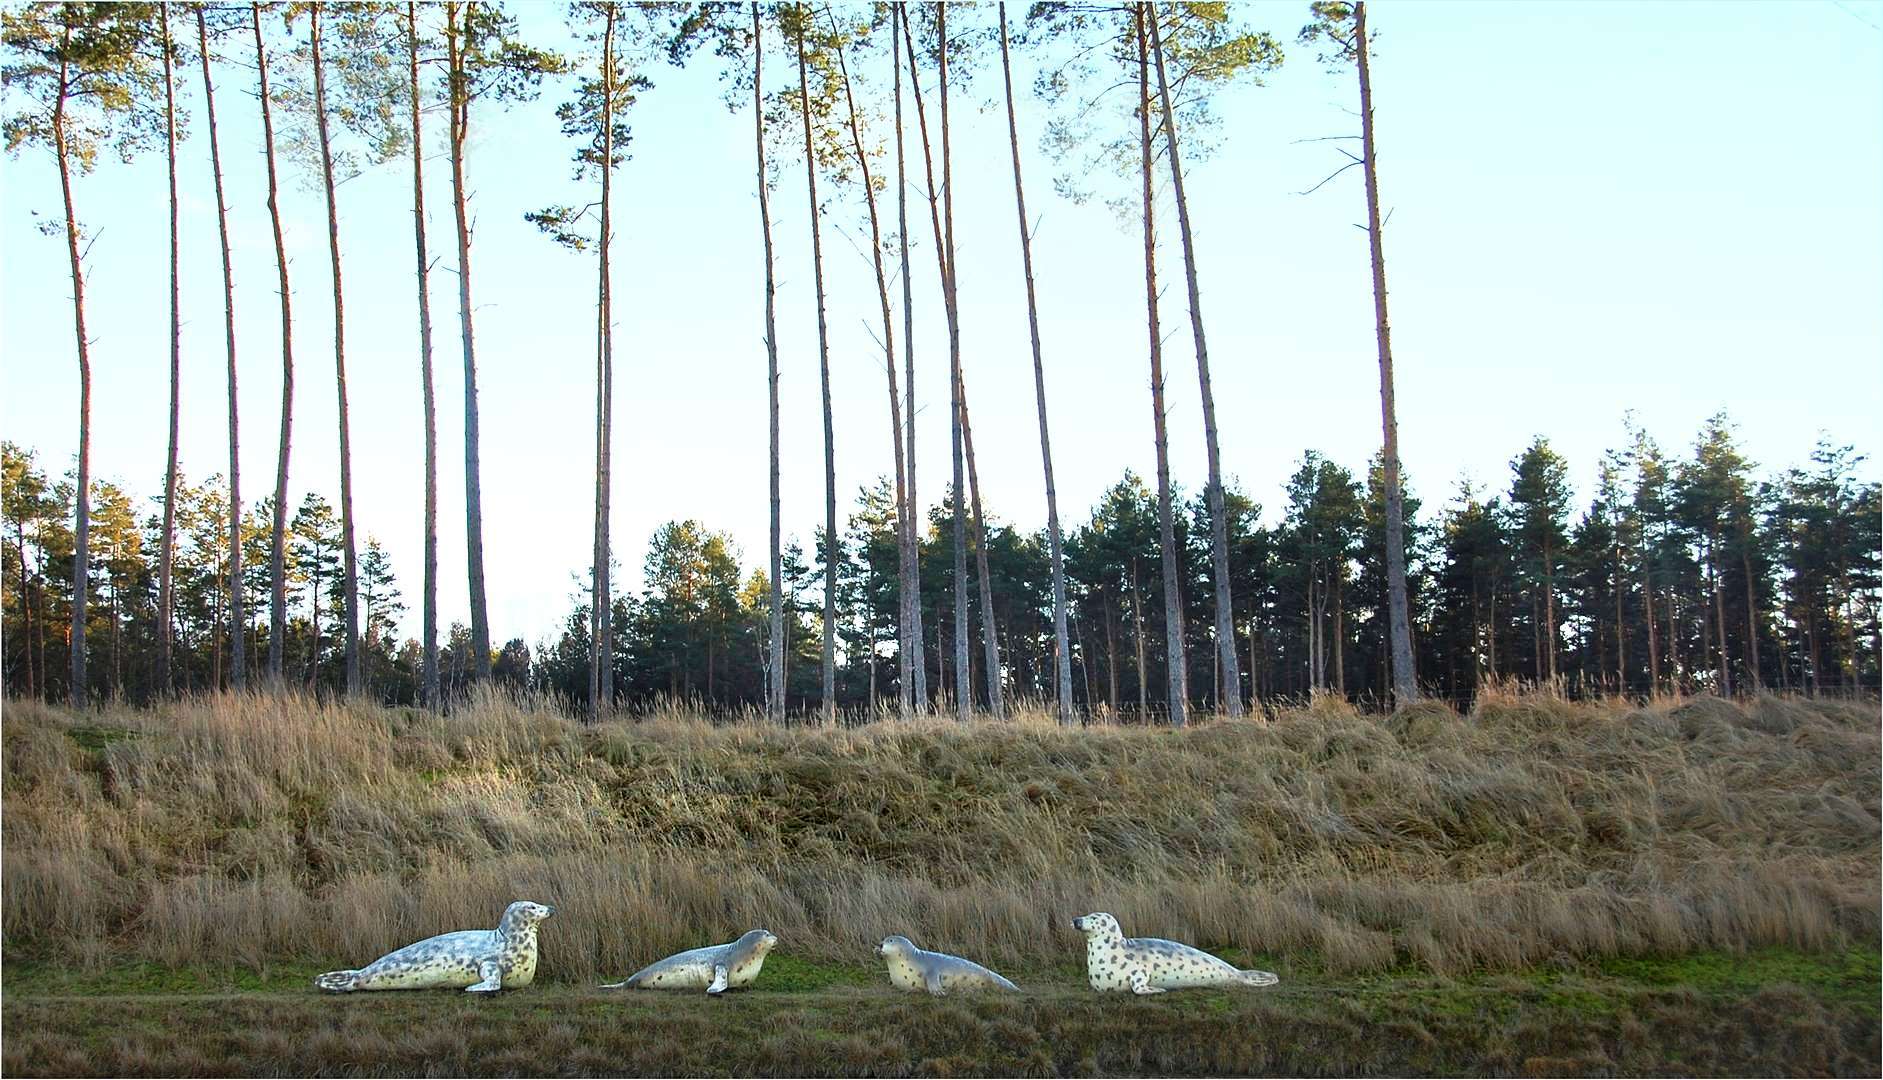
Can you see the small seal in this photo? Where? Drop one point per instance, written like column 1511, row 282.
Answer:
column 1152, row 965
column 474, row 960
column 714, row 969
column 911, row 968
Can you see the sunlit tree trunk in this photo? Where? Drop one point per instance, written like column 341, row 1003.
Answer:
column 904, row 521
column 167, row 553
column 918, row 663
column 428, row 678
column 237, row 618
column 1405, row 677
column 1173, row 611
column 278, row 554
column 1062, row 648
column 775, row 698
column 350, row 565
column 1219, row 527
column 832, row 546
column 457, row 24
column 81, row 528
column 601, row 680
column 964, row 691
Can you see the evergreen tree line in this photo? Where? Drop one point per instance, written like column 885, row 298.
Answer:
column 1684, row 573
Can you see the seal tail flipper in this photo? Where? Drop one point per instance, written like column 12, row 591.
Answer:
column 622, row 985
column 338, row 982
column 1252, row 977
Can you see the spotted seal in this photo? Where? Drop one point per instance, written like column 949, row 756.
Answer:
column 714, row 969
column 911, row 968
column 1152, row 965
column 475, row 960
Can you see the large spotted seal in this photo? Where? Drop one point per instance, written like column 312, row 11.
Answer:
column 714, row 969
column 911, row 968
column 474, row 960
column 1152, row 965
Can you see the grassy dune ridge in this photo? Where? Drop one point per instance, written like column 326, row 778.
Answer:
column 252, row 831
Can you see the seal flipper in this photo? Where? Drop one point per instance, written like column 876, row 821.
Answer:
column 1259, row 978
column 933, row 980
column 1141, row 983
column 338, row 982
column 491, row 974
column 719, row 980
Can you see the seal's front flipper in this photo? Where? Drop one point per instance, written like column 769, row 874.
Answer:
column 719, row 980
column 1141, row 984
column 491, row 978
column 933, row 981
column 338, row 982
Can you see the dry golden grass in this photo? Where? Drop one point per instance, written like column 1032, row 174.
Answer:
column 259, row 830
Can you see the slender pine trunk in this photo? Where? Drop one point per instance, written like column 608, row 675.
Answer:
column 278, row 552
column 775, row 699
column 458, row 19
column 1062, row 646
column 1137, row 640
column 429, row 680
column 1752, row 605
column 832, row 548
column 238, row 667
column 1405, row 677
column 354, row 682
column 989, row 637
column 601, row 622
column 964, row 692
column 1219, row 523
column 904, row 528
column 1173, row 612
column 167, row 553
column 81, row 528
column 918, row 663
column 964, row 437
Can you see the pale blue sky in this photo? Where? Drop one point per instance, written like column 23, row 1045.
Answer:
column 1670, row 208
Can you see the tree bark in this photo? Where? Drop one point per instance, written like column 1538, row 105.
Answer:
column 1137, row 637
column 278, row 554
column 457, row 23
column 775, row 698
column 1405, row 677
column 354, row 683
column 833, row 550
column 964, row 693
column 1752, row 604
column 238, row 668
column 1063, row 658
column 429, row 680
column 601, row 636
column 1226, row 663
column 1173, row 612
column 81, row 530
column 904, row 520
column 917, row 661
column 167, row 554
column 989, row 636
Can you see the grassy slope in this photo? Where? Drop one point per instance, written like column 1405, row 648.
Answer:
column 1689, row 888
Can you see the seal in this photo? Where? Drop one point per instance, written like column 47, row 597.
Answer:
column 1153, row 965
column 714, row 969
column 478, row 961
column 911, row 968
